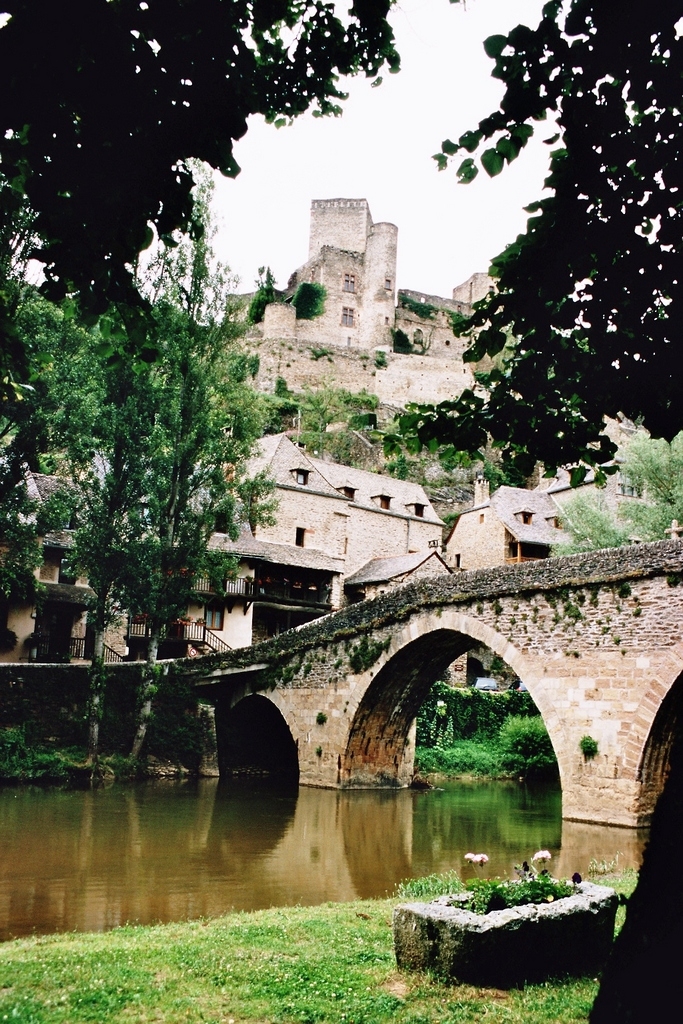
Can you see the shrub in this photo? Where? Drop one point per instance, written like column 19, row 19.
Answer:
column 309, row 300
column 589, row 747
column 381, row 360
column 402, row 343
column 526, row 748
column 468, row 713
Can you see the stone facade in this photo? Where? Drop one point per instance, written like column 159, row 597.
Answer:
column 596, row 638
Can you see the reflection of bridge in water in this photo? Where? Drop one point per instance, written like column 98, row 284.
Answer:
column 596, row 638
column 171, row 851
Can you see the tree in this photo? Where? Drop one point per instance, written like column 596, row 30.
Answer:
column 654, row 467
column 265, row 293
column 593, row 291
column 104, row 103
column 206, row 420
column 590, row 524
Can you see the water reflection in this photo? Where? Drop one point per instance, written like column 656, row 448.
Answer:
column 164, row 851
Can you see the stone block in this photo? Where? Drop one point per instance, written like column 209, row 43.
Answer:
column 572, row 936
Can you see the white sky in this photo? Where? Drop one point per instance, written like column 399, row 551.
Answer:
column 380, row 150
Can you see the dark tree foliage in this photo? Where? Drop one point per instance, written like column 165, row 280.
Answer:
column 309, row 300
column 104, row 101
column 593, row 291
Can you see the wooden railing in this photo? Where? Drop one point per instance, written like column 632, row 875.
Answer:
column 192, row 632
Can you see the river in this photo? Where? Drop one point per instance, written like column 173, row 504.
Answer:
column 168, row 851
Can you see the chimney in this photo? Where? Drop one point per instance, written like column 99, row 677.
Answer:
column 481, row 490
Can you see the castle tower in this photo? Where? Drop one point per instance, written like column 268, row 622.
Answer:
column 339, row 223
column 379, row 285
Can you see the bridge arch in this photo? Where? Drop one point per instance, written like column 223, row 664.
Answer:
column 656, row 744
column 380, row 746
column 254, row 737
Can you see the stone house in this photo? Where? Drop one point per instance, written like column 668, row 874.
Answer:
column 332, row 520
column 52, row 628
column 510, row 525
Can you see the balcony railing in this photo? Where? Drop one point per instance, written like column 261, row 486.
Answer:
column 191, row 632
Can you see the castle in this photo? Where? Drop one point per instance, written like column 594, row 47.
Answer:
column 368, row 328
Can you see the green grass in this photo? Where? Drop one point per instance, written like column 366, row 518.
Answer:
column 464, row 757
column 304, row 964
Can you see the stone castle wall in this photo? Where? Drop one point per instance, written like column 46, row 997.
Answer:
column 407, row 378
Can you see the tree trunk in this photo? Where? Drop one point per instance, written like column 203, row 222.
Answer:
column 97, row 684
column 641, row 981
column 148, row 691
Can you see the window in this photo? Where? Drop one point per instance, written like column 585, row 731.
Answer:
column 347, row 316
column 481, row 517
column 300, row 534
column 457, row 561
column 387, row 283
column 626, row 487
column 349, row 492
column 213, row 614
column 419, row 511
column 526, row 518
column 349, row 282
column 301, row 476
column 386, row 319
column 418, row 337
column 384, row 501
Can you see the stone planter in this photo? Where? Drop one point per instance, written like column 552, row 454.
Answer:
column 571, row 936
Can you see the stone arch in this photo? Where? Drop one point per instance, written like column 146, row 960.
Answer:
column 379, row 748
column 253, row 737
column 655, row 760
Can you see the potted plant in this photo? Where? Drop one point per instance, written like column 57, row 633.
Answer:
column 504, row 933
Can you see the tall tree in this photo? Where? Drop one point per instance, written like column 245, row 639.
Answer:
column 593, row 290
column 104, row 102
column 206, row 420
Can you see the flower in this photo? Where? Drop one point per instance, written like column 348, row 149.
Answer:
column 477, row 858
column 542, row 855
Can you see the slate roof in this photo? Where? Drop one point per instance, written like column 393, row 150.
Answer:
column 367, row 486
column 248, row 546
column 381, row 570
column 509, row 502
column 281, row 458
column 40, row 486
column 67, row 593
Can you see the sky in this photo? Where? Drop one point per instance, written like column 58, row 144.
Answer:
column 380, row 149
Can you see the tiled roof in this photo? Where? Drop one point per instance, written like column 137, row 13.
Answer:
column 379, row 570
column 248, row 546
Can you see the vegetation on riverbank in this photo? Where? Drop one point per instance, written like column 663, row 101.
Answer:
column 301, row 964
column 472, row 732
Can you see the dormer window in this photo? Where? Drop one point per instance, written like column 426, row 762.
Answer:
column 301, row 476
column 419, row 510
column 349, row 492
column 384, row 501
column 527, row 517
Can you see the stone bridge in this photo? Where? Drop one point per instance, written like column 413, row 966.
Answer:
column 596, row 638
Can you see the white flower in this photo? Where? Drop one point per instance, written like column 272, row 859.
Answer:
column 542, row 855
column 441, row 703
column 470, row 856
column 477, row 858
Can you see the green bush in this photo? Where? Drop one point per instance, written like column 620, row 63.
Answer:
column 20, row 761
column 526, row 748
column 309, row 300
column 448, row 714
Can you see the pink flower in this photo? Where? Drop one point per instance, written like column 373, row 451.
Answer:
column 542, row 855
column 477, row 858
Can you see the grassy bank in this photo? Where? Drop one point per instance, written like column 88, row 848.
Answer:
column 305, row 964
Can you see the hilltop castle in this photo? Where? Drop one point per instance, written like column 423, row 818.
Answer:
column 354, row 259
